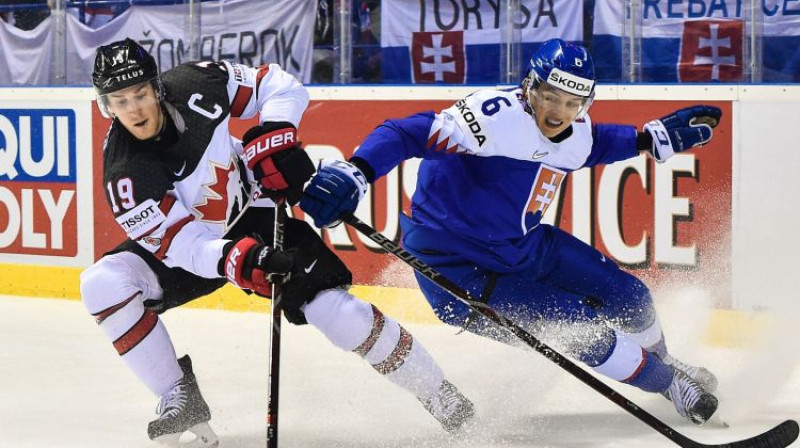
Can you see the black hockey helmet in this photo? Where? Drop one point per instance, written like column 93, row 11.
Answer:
column 122, row 64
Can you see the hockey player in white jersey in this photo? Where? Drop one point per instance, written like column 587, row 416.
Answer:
column 189, row 197
column 491, row 165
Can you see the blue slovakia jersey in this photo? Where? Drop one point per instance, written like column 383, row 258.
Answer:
column 488, row 174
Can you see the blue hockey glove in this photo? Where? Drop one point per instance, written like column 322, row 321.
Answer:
column 337, row 188
column 682, row 130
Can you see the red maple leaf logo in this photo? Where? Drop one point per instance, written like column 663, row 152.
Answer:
column 214, row 207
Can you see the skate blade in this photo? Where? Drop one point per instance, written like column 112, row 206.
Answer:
column 198, row 436
column 717, row 422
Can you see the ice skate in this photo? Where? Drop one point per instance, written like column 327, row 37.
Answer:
column 450, row 407
column 700, row 375
column 183, row 410
column 690, row 399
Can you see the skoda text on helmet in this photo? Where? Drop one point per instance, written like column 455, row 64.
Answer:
column 566, row 67
column 120, row 65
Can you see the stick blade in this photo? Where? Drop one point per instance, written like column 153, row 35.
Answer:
column 780, row 436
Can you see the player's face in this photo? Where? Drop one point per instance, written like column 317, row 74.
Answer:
column 138, row 109
column 554, row 109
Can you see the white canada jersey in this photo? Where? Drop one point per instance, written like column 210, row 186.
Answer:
column 177, row 197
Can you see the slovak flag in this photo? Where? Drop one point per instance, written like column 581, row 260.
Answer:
column 438, row 57
column 711, row 50
column 698, row 41
column 445, row 42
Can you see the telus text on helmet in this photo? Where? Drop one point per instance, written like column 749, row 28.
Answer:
column 131, row 75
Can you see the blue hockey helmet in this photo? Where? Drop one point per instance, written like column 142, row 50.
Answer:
column 565, row 66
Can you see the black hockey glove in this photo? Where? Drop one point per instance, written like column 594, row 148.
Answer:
column 277, row 159
column 248, row 264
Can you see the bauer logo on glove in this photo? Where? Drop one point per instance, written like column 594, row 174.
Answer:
column 270, row 142
column 279, row 164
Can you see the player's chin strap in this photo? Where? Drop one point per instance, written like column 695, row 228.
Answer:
column 780, row 436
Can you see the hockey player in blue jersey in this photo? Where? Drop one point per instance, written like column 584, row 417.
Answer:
column 491, row 165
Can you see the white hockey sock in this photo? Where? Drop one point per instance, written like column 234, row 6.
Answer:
column 625, row 360
column 357, row 326
column 651, row 339
column 631, row 364
column 113, row 290
column 142, row 341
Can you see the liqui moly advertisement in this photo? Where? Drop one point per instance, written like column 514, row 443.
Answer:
column 44, row 160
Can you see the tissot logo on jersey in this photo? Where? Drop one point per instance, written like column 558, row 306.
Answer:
column 139, row 217
column 38, row 194
column 271, row 142
column 140, row 220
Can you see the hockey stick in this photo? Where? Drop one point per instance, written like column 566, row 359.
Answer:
column 780, row 436
column 275, row 335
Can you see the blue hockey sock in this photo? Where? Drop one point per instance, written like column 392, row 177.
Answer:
column 652, row 376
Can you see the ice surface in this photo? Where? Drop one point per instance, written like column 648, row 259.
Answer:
column 63, row 385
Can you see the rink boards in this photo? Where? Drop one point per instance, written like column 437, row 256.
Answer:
column 715, row 218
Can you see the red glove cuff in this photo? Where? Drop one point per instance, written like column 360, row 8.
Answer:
column 235, row 261
column 260, row 285
column 269, row 144
column 272, row 177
